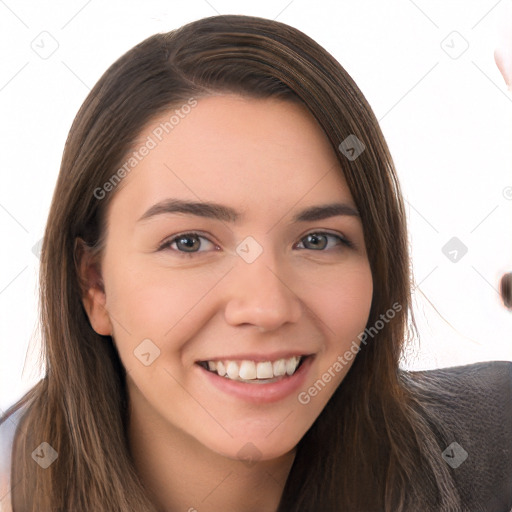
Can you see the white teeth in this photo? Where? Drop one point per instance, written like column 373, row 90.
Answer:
column 263, row 370
column 221, row 369
column 232, row 370
column 252, row 370
column 291, row 365
column 247, row 370
column 279, row 367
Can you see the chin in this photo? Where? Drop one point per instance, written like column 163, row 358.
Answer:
column 257, row 447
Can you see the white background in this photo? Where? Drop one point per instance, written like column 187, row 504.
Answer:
column 448, row 122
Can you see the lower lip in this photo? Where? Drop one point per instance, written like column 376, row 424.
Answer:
column 261, row 393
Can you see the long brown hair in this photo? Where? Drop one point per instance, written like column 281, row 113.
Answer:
column 374, row 447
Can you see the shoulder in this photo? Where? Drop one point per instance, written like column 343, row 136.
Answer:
column 9, row 422
column 474, row 404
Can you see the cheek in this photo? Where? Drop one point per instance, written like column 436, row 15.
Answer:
column 150, row 302
column 343, row 308
column 343, row 303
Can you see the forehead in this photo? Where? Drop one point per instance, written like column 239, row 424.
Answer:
column 234, row 149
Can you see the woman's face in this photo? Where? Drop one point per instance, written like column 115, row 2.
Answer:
column 240, row 265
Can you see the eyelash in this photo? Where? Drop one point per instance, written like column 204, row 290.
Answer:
column 166, row 245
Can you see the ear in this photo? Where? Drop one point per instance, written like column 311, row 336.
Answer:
column 92, row 288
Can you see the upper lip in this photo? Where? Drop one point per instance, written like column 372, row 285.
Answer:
column 257, row 357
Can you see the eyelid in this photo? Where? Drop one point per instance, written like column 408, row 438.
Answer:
column 172, row 239
column 343, row 239
column 168, row 241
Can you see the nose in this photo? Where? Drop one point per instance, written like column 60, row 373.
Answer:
column 259, row 295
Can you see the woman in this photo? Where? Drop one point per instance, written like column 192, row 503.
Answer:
column 225, row 292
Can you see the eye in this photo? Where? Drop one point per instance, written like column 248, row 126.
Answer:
column 190, row 243
column 320, row 241
column 187, row 243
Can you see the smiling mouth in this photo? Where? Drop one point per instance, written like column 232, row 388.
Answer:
column 255, row 372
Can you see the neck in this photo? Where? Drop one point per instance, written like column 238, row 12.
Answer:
column 183, row 475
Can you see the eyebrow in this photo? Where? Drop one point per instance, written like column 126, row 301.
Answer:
column 227, row 214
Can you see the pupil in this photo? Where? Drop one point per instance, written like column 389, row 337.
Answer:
column 189, row 242
column 315, row 240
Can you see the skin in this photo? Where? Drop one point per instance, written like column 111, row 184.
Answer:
column 503, row 52
column 268, row 159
